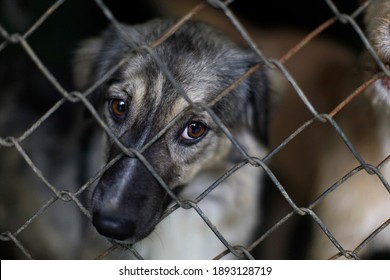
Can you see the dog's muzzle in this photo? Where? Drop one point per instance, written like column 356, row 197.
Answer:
column 127, row 201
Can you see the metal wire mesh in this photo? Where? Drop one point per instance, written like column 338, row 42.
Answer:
column 11, row 236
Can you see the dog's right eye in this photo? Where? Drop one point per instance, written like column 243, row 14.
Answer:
column 118, row 109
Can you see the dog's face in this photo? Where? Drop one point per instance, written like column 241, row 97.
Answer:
column 138, row 101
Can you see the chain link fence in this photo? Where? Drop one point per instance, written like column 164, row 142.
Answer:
column 22, row 236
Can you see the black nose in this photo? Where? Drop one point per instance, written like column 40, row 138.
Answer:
column 113, row 226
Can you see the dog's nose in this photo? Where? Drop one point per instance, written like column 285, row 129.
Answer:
column 113, row 226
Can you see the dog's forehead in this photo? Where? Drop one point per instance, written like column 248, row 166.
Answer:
column 150, row 87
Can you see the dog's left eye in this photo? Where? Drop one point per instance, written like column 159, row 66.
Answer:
column 193, row 133
column 118, row 108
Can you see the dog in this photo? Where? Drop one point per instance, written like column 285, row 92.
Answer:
column 377, row 20
column 318, row 160
column 360, row 204
column 139, row 100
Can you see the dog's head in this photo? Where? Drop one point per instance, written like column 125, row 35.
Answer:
column 139, row 100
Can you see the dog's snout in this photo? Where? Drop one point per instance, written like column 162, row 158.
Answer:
column 127, row 201
column 113, row 226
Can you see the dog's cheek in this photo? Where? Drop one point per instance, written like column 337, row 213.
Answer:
column 189, row 161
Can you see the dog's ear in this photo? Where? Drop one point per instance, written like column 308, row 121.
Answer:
column 249, row 102
column 84, row 62
column 258, row 104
